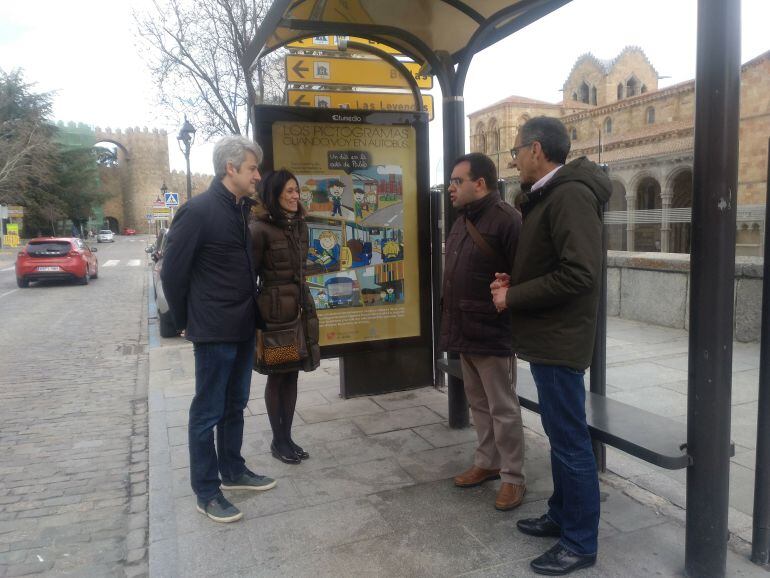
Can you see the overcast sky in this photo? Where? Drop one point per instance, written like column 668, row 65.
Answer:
column 85, row 51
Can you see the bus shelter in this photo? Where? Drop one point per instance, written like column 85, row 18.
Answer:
column 443, row 36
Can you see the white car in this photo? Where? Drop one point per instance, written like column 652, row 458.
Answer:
column 105, row 236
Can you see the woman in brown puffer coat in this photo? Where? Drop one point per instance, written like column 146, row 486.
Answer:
column 280, row 241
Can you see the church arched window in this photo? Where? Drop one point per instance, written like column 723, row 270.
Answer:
column 494, row 136
column 650, row 114
column 632, row 86
column 608, row 125
column 620, row 91
column 573, row 133
column 593, row 95
column 481, row 141
column 585, row 91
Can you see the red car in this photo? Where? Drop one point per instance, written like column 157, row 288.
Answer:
column 129, row 231
column 56, row 258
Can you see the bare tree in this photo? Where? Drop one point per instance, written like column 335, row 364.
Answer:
column 197, row 57
column 26, row 145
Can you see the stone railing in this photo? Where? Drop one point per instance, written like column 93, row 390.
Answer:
column 655, row 288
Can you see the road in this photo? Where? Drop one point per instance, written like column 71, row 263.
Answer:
column 73, row 409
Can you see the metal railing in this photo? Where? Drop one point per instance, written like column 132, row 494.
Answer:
column 745, row 213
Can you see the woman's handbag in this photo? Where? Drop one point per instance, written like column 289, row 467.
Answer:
column 281, row 346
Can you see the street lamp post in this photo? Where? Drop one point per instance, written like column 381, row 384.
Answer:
column 185, row 139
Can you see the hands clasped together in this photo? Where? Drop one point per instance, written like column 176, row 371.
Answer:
column 499, row 288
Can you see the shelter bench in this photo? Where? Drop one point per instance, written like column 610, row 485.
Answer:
column 655, row 439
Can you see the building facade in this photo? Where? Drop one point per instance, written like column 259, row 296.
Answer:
column 616, row 114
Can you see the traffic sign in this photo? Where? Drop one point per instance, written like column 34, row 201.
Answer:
column 359, row 100
column 350, row 71
column 172, row 199
column 332, row 43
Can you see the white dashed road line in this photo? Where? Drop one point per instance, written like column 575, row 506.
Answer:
column 111, row 263
column 134, row 262
column 8, row 293
column 8, row 269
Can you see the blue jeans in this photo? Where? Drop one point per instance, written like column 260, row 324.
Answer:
column 574, row 505
column 222, row 383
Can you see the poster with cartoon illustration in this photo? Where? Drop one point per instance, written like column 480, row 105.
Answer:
column 358, row 185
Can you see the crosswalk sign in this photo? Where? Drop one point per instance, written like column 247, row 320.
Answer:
column 172, row 199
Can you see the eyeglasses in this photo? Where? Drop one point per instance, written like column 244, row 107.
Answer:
column 457, row 181
column 515, row 150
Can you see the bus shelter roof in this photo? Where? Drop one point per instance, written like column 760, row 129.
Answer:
column 420, row 29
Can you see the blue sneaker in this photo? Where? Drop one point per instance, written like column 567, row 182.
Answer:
column 250, row 481
column 219, row 509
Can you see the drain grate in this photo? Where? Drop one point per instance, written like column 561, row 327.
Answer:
column 132, row 349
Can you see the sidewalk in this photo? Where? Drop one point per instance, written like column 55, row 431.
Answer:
column 376, row 497
column 8, row 256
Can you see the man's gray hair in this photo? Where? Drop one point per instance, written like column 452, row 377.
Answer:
column 233, row 149
column 551, row 134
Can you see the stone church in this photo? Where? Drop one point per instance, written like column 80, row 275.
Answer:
column 616, row 114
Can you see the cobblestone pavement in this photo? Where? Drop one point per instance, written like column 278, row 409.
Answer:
column 73, row 409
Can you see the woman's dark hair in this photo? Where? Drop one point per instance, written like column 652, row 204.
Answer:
column 270, row 188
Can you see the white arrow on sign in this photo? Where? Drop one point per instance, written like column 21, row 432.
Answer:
column 172, row 199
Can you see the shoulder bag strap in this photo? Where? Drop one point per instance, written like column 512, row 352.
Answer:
column 479, row 240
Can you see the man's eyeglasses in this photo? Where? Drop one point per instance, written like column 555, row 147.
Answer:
column 457, row 181
column 515, row 150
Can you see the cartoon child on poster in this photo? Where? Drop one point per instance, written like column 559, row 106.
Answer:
column 335, row 194
column 371, row 202
column 371, row 196
column 325, row 250
column 306, row 196
column 358, row 197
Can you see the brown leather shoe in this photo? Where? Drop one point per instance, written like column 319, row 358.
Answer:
column 510, row 496
column 475, row 477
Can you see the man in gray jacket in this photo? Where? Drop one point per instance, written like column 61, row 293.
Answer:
column 482, row 240
column 553, row 296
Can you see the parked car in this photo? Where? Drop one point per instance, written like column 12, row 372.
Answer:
column 56, row 258
column 105, row 236
column 128, row 231
column 166, row 322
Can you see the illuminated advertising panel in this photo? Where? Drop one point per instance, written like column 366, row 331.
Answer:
column 359, row 175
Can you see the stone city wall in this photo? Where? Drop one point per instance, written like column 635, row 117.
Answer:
column 655, row 288
column 144, row 170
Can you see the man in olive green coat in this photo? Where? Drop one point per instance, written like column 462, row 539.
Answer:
column 553, row 295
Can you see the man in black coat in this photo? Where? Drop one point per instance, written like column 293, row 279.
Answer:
column 483, row 240
column 210, row 285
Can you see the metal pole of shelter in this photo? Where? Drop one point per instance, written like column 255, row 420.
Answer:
column 760, row 537
column 598, row 378
column 715, row 179
column 453, row 110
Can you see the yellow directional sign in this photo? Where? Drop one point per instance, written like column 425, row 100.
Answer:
column 359, row 100
column 350, row 71
column 332, row 43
